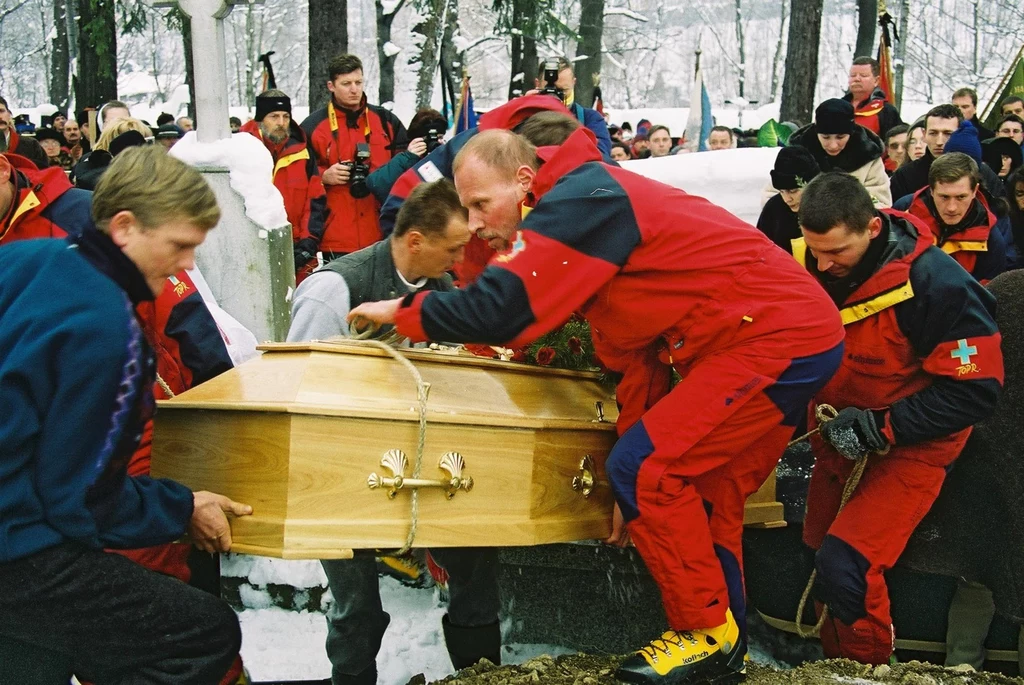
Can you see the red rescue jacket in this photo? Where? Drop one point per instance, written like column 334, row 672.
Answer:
column 663, row 277
column 970, row 246
column 921, row 346
column 333, row 133
column 37, row 210
column 297, row 176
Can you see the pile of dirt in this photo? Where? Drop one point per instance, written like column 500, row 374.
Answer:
column 584, row 669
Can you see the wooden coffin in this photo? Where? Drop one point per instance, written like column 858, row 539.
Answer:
column 321, row 439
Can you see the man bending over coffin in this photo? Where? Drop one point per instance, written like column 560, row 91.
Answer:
column 666, row 280
column 923, row 364
column 429, row 238
column 76, row 380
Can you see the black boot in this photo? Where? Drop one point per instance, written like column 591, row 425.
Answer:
column 467, row 645
column 367, row 677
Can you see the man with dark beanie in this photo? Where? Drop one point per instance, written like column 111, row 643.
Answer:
column 839, row 144
column 295, row 174
column 794, row 169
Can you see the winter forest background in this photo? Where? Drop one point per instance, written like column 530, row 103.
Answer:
column 51, row 50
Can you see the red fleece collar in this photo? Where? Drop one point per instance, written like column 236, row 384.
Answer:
column 514, row 112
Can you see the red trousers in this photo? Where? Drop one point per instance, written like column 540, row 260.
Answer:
column 682, row 475
column 857, row 546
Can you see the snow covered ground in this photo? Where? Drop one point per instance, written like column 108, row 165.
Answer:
column 289, row 645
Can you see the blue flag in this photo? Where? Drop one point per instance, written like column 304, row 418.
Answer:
column 700, row 121
column 465, row 115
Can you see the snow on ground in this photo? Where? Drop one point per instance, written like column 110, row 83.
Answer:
column 278, row 644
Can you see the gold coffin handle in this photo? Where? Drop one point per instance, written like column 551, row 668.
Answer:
column 584, row 481
column 396, row 462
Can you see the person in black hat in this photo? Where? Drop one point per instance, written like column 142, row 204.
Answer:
column 295, row 174
column 52, row 141
column 794, row 169
column 167, row 135
column 839, row 144
column 1003, row 155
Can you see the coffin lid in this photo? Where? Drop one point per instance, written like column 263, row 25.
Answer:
column 350, row 378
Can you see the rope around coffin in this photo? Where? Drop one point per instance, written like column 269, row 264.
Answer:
column 422, row 390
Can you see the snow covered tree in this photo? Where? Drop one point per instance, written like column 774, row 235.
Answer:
column 60, row 57
column 96, row 78
column 386, row 50
column 328, row 37
column 589, row 50
column 867, row 20
column 801, row 61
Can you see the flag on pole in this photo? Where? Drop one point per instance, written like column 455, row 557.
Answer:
column 699, row 122
column 1013, row 84
column 465, row 115
column 886, row 81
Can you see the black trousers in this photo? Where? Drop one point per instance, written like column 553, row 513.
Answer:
column 112, row 621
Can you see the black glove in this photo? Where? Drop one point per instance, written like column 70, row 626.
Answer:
column 854, row 432
column 305, row 250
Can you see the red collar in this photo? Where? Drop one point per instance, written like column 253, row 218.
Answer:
column 557, row 161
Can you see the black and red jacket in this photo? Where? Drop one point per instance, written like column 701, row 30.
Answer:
column 438, row 164
column 45, row 204
column 972, row 242
column 875, row 113
column 663, row 277
column 333, row 133
column 922, row 346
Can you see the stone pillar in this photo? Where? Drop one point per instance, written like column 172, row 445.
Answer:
column 211, row 79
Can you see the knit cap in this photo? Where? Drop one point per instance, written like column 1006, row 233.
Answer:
column 965, row 140
column 794, row 168
column 834, row 117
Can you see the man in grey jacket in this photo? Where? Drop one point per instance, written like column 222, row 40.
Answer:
column 429, row 238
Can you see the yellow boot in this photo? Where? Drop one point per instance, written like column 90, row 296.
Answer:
column 689, row 657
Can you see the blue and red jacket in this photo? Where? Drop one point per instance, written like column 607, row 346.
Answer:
column 45, row 205
column 76, row 378
column 972, row 242
column 922, row 346
column 438, row 164
column 664, row 278
column 333, row 134
column 875, row 113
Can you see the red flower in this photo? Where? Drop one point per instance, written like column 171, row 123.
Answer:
column 545, row 356
column 575, row 346
column 519, row 355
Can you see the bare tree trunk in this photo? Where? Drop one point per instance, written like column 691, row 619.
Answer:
column 60, row 59
column 524, row 47
column 867, row 18
column 430, row 28
column 386, row 86
column 588, row 70
column 900, row 58
column 777, row 60
column 976, row 62
column 451, row 58
column 190, row 67
column 742, row 47
column 252, row 50
column 801, row 61
column 96, row 80
column 328, row 37
column 517, row 82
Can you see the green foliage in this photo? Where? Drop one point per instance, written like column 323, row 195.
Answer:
column 536, row 19
column 568, row 347
column 134, row 16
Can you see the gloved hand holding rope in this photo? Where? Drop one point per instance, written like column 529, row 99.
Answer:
column 854, row 433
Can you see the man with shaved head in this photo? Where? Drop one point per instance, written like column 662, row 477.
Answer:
column 667, row 281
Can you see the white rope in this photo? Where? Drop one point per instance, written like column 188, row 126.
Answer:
column 422, row 390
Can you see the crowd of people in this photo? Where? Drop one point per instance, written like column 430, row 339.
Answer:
column 497, row 235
